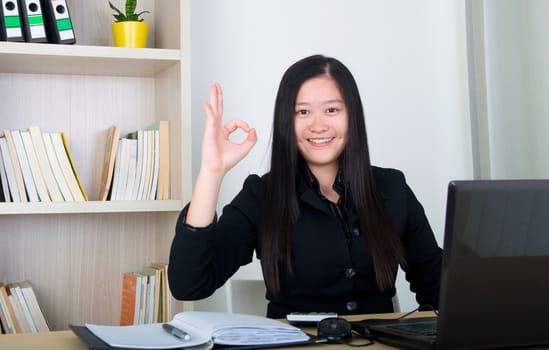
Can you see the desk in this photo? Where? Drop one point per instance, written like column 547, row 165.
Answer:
column 67, row 340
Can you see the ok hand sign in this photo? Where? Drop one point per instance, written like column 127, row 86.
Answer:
column 219, row 154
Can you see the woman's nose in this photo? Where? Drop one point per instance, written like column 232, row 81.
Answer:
column 317, row 123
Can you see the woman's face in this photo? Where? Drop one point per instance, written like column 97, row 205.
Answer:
column 321, row 122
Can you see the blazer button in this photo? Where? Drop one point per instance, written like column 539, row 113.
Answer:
column 351, row 305
column 356, row 231
column 350, row 272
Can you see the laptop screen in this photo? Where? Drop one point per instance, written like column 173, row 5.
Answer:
column 495, row 273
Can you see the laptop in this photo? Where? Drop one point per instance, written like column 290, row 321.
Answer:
column 495, row 272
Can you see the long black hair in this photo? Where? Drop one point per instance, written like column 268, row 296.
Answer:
column 281, row 209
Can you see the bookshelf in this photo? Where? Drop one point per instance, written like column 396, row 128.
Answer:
column 74, row 254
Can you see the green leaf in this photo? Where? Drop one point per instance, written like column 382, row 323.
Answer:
column 140, row 13
column 130, row 7
column 130, row 14
column 115, row 9
column 120, row 18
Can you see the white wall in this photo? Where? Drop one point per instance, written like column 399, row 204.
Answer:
column 409, row 60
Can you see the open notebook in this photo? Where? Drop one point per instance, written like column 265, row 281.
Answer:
column 204, row 329
column 494, row 285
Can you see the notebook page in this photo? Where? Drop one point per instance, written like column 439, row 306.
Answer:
column 240, row 329
column 147, row 336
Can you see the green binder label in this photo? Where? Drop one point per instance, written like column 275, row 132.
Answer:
column 12, row 21
column 36, row 20
column 64, row 24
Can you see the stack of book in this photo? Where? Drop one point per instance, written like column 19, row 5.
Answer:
column 37, row 166
column 145, row 296
column 137, row 167
column 20, row 311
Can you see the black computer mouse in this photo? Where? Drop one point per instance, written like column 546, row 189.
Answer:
column 334, row 329
column 359, row 328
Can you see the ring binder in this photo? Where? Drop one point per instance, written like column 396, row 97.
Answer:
column 32, row 21
column 58, row 22
column 10, row 21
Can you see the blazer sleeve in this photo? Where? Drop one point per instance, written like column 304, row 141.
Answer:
column 203, row 259
column 423, row 255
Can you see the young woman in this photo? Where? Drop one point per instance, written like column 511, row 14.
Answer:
column 329, row 228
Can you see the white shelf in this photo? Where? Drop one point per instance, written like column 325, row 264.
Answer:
column 90, row 207
column 74, row 253
column 35, row 58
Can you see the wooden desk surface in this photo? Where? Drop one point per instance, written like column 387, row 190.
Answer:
column 67, row 340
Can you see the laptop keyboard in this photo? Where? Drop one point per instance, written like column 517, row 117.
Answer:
column 423, row 328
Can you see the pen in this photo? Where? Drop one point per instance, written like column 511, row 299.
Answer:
column 181, row 334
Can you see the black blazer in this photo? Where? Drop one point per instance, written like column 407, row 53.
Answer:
column 331, row 271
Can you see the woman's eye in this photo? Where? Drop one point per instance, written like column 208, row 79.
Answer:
column 302, row 112
column 332, row 110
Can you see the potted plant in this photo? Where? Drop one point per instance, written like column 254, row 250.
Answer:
column 129, row 29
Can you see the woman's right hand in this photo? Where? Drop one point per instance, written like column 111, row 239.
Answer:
column 219, row 153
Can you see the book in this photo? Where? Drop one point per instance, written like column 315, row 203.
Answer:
column 111, row 146
column 203, row 328
column 56, row 168
column 150, row 298
column 164, row 190
column 7, row 322
column 5, row 328
column 35, row 168
column 129, row 299
column 145, row 164
column 72, row 163
column 165, row 301
column 137, row 181
column 62, row 156
column 157, row 301
column 34, row 306
column 120, row 171
column 155, row 163
column 149, row 164
column 7, row 305
column 16, row 290
column 2, row 190
column 28, row 178
column 116, row 174
column 22, row 195
column 18, row 310
column 139, row 178
column 61, row 168
column 132, row 169
column 45, row 167
column 142, row 298
column 6, row 197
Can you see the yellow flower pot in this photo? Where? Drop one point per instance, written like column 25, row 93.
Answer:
column 130, row 34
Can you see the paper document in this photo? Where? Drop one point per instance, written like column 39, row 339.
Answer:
column 146, row 336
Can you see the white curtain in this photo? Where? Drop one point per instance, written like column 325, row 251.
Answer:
column 509, row 84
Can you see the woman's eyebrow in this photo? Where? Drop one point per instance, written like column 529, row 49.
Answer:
column 335, row 100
